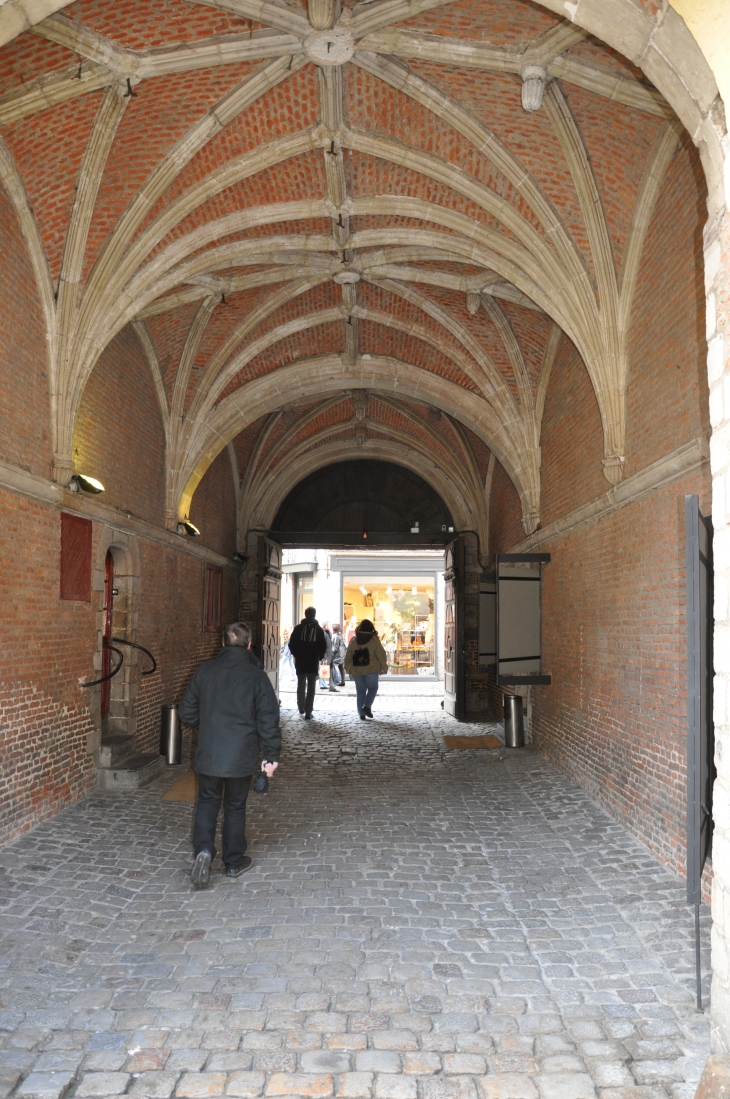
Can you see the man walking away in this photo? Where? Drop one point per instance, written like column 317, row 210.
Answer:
column 307, row 645
column 231, row 702
column 338, row 656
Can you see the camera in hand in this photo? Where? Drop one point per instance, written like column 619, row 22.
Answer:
column 261, row 785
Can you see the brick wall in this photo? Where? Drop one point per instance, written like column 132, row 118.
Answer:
column 24, row 423
column 45, row 722
column 213, row 509
column 572, row 438
column 505, row 514
column 49, row 725
column 667, row 400
column 172, row 591
column 613, row 596
column 614, row 717
column 119, row 437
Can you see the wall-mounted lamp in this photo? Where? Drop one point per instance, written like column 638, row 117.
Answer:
column 186, row 527
column 242, row 558
column 81, row 483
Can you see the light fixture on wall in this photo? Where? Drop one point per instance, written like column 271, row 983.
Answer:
column 242, row 558
column 81, row 483
column 186, row 527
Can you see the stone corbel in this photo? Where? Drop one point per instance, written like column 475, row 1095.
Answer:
column 63, row 469
column 472, row 302
column 530, row 521
column 613, row 468
column 534, row 78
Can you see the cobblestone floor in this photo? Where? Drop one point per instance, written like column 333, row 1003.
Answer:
column 418, row 924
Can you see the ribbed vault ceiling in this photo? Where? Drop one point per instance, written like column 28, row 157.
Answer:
column 325, row 223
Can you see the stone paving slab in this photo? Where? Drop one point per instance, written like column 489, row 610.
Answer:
column 418, row 924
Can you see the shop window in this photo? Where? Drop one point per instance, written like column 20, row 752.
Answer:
column 213, row 597
column 402, row 610
column 75, row 558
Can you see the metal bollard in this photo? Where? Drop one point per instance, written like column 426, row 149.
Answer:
column 171, row 734
column 514, row 729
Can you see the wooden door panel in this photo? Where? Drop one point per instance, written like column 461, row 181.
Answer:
column 454, row 693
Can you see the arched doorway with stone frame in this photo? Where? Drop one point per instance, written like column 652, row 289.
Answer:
column 458, row 296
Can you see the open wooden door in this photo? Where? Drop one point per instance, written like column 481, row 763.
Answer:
column 269, row 609
column 454, row 685
column 519, row 618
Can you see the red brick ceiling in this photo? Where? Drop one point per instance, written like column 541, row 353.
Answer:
column 234, row 181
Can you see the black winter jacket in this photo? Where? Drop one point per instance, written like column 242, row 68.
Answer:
column 308, row 646
column 231, row 702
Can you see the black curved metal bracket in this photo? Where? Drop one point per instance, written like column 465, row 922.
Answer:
column 134, row 645
column 96, row 682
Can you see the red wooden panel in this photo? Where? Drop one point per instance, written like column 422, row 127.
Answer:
column 75, row 557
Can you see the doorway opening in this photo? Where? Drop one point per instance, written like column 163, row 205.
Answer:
column 402, row 594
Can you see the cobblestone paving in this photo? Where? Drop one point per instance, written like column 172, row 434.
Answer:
column 418, row 924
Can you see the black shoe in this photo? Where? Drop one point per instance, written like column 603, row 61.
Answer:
column 367, row 711
column 200, row 873
column 307, row 717
column 302, row 712
column 363, row 717
column 334, row 690
column 236, row 871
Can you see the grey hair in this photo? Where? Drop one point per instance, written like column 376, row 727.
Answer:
column 238, row 633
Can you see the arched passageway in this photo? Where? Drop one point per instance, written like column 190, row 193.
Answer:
column 247, row 243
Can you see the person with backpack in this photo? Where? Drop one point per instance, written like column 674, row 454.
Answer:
column 366, row 661
column 307, row 645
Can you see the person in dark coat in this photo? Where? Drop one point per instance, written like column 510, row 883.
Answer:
column 307, row 645
column 231, row 702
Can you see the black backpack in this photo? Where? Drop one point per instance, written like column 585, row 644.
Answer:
column 361, row 658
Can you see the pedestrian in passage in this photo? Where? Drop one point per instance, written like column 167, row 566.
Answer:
column 365, row 660
column 324, row 684
column 231, row 702
column 307, row 645
column 339, row 648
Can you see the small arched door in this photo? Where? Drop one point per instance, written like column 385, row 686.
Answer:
column 106, row 653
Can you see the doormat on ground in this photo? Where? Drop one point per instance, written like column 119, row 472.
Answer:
column 472, row 743
column 183, row 789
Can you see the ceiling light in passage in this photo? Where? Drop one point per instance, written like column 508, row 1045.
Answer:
column 80, row 481
column 186, row 527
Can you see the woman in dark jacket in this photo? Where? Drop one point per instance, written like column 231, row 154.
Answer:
column 366, row 661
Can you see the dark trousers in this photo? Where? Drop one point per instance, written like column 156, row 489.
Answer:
column 210, row 794
column 306, row 685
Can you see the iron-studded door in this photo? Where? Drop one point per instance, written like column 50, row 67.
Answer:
column 454, row 629
column 269, row 609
